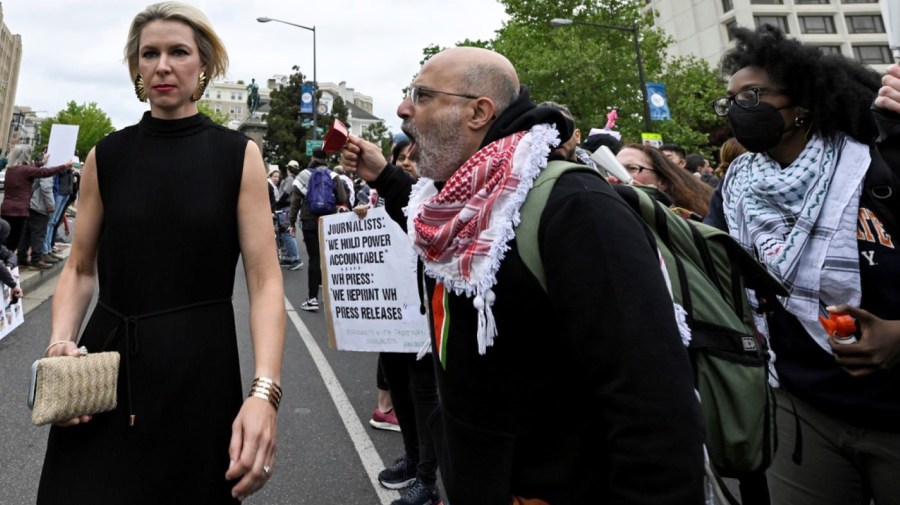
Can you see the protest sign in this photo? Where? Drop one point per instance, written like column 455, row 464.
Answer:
column 61, row 147
column 369, row 283
column 13, row 314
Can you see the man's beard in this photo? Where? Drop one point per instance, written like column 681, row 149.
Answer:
column 440, row 151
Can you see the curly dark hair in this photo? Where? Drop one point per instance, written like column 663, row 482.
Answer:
column 836, row 90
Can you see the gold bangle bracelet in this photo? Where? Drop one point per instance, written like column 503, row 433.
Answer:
column 54, row 344
column 272, row 401
column 266, row 389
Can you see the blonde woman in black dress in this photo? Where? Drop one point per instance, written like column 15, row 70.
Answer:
column 165, row 257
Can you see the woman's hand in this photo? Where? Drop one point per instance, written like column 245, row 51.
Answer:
column 252, row 449
column 67, row 348
column 878, row 346
column 361, row 211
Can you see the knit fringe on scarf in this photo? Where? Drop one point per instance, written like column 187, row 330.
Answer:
column 529, row 159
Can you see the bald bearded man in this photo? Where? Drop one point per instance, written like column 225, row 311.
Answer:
column 578, row 394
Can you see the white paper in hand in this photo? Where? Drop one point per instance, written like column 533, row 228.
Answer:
column 890, row 12
column 61, row 147
column 606, row 159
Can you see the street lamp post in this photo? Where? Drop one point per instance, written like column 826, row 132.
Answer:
column 315, row 82
column 637, row 49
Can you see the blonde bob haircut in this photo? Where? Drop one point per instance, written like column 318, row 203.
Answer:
column 212, row 51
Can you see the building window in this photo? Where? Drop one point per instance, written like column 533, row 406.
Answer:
column 830, row 49
column 872, row 54
column 218, row 107
column 776, row 21
column 816, row 24
column 240, row 109
column 730, row 25
column 233, row 95
column 767, row 2
column 241, row 97
column 799, row 2
column 865, row 24
column 727, row 5
column 218, row 95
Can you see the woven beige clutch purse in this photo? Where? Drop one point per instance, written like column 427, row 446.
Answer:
column 66, row 387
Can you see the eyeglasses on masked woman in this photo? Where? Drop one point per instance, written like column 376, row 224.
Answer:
column 746, row 99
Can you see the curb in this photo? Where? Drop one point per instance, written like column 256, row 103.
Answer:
column 30, row 280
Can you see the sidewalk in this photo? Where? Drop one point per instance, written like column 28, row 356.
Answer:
column 30, row 279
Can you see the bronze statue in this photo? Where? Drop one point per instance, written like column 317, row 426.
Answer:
column 253, row 96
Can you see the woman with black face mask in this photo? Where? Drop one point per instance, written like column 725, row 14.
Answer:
column 812, row 199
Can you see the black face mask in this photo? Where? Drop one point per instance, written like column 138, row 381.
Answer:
column 758, row 129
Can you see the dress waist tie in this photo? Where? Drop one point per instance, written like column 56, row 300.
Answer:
column 128, row 325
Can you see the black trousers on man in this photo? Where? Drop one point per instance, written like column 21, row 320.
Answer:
column 33, row 236
column 414, row 393
column 314, row 272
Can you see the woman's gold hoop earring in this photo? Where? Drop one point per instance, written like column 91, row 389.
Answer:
column 139, row 88
column 202, row 81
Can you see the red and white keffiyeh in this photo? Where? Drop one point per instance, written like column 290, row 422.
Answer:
column 462, row 232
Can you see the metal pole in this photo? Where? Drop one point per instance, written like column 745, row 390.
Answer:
column 315, row 91
column 648, row 126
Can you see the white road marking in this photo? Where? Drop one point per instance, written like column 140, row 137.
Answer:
column 370, row 459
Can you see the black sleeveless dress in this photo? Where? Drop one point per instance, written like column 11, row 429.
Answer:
column 166, row 267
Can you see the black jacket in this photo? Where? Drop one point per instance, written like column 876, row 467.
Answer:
column 586, row 395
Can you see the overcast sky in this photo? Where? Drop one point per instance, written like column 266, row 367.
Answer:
column 72, row 49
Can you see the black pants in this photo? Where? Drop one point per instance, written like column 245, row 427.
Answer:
column 314, row 272
column 16, row 226
column 380, row 379
column 414, row 394
column 33, row 237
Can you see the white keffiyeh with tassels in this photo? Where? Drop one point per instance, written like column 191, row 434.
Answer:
column 801, row 222
column 462, row 233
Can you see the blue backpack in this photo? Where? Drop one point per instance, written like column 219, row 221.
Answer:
column 320, row 193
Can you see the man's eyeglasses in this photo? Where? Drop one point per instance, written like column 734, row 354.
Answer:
column 636, row 169
column 746, row 99
column 414, row 93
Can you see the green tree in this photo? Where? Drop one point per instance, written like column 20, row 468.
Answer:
column 380, row 135
column 93, row 125
column 217, row 117
column 339, row 110
column 288, row 130
column 592, row 70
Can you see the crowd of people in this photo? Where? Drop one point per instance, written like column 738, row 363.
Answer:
column 805, row 187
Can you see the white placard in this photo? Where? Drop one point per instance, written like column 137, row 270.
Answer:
column 13, row 314
column 891, row 16
column 61, row 147
column 369, row 280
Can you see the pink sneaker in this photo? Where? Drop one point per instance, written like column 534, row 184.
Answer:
column 384, row 421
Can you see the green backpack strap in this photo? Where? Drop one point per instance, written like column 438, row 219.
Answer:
column 530, row 214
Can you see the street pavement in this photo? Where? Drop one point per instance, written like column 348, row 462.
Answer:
column 327, row 452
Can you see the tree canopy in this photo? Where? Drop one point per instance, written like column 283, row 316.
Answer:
column 592, row 69
column 380, row 135
column 217, row 117
column 93, row 125
column 287, row 129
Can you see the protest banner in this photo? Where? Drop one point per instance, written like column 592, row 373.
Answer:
column 369, row 284
column 13, row 314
